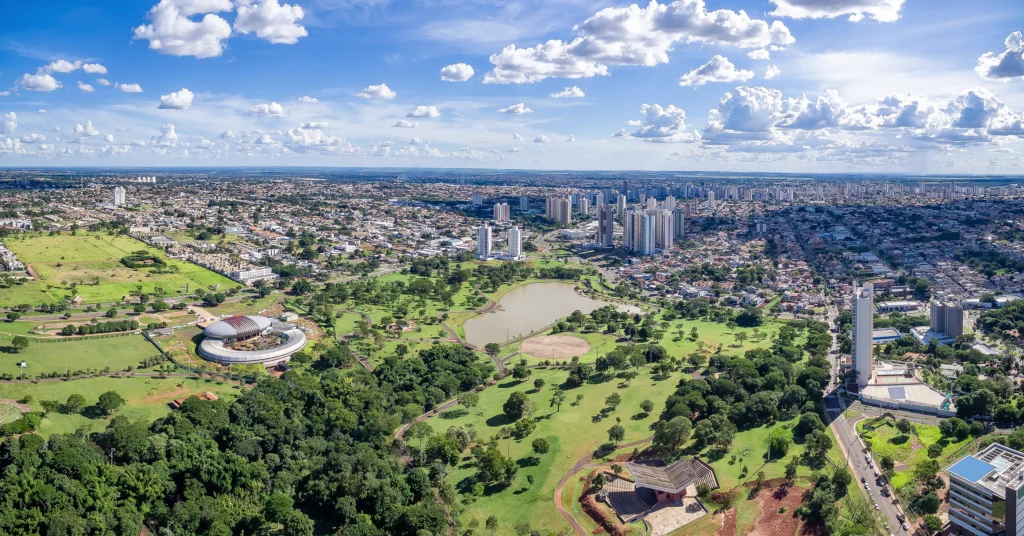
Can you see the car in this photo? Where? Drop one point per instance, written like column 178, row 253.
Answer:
column 906, row 526
column 867, row 487
column 901, row 518
column 876, row 506
column 863, row 480
column 877, row 474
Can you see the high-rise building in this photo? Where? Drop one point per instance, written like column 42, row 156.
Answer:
column 647, row 233
column 605, row 225
column 986, row 493
column 484, row 242
column 515, row 242
column 651, row 203
column 584, row 205
column 663, row 230
column 119, row 196
column 599, row 199
column 631, row 230
column 678, row 223
column 947, row 318
column 620, row 205
column 711, row 200
column 478, row 200
column 502, row 212
column 524, row 203
column 863, row 325
column 670, row 203
column 559, row 209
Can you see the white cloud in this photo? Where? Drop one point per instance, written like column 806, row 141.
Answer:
column 633, row 36
column 268, row 110
column 94, row 68
column 85, row 87
column 314, row 125
column 424, row 111
column 573, row 92
column 571, row 138
column 307, row 100
column 86, row 131
column 664, row 125
column 42, row 110
column 38, row 82
column 129, row 88
column 515, row 149
column 173, row 31
column 542, row 139
column 61, row 66
column 5, row 93
column 379, row 91
column 719, row 69
column 1007, row 65
column 517, row 108
column 879, row 10
column 33, row 138
column 274, row 22
column 516, row 136
column 109, row 138
column 9, row 123
column 772, row 72
column 457, row 72
column 227, row 134
column 759, row 54
column 402, row 123
column 177, row 100
column 103, row 81
column 167, row 138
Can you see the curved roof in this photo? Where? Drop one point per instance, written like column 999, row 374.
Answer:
column 235, row 327
column 214, row 350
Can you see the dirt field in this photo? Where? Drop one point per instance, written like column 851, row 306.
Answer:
column 555, row 347
column 770, row 522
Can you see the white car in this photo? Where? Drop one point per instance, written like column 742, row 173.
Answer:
column 906, row 526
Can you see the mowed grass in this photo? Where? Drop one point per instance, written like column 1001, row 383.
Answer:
column 712, row 334
column 78, row 354
column 85, row 257
column 571, row 432
column 146, row 398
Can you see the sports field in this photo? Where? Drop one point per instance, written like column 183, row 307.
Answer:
column 91, row 261
column 80, row 354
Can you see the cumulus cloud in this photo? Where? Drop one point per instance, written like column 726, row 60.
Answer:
column 38, row 82
column 759, row 54
column 879, row 10
column 269, row 20
column 33, row 138
column 9, row 123
column 424, row 111
column 167, row 138
column 772, row 72
column 517, row 108
column 379, row 91
column 541, row 139
column 94, row 68
column 515, row 149
column 402, row 123
column 227, row 134
column 129, row 88
column 1004, row 66
column 85, row 87
column 307, row 100
column 633, row 35
column 719, row 69
column 61, row 66
column 664, row 125
column 457, row 72
column 173, row 31
column 86, row 131
column 177, row 100
column 314, row 125
column 573, row 92
column 103, row 82
column 268, row 110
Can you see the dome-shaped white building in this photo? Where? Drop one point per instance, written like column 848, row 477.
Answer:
column 221, row 334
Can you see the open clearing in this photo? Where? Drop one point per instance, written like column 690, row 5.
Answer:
column 86, row 353
column 92, row 262
column 555, row 347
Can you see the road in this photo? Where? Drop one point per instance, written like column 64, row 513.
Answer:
column 845, row 432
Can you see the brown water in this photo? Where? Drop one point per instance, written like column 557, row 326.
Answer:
column 527, row 308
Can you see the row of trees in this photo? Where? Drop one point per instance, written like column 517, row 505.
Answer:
column 100, row 327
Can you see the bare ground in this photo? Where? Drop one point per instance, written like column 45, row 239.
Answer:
column 555, row 347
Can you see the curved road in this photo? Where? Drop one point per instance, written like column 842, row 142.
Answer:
column 584, row 463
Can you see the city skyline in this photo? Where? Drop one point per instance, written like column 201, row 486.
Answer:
column 717, row 86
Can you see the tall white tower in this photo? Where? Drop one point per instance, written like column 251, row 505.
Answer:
column 863, row 325
column 515, row 242
column 484, row 242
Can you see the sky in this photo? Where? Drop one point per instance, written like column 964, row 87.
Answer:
column 914, row 86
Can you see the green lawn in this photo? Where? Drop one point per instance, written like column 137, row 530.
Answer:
column 571, row 432
column 146, row 398
column 713, row 334
column 908, row 451
column 86, row 257
column 79, row 354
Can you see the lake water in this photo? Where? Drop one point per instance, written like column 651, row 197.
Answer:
column 527, row 308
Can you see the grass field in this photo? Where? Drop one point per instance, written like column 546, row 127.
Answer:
column 146, row 398
column 80, row 354
column 534, row 505
column 85, row 258
column 907, row 451
column 712, row 334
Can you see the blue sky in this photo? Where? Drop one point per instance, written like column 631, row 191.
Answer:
column 921, row 86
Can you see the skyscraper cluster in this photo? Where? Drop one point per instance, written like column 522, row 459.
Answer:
column 559, row 209
column 119, row 197
column 502, row 212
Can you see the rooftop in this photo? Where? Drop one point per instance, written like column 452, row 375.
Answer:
column 655, row 474
column 996, row 467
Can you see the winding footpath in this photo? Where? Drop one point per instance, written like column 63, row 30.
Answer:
column 584, row 463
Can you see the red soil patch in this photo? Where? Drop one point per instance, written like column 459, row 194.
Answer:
column 770, row 522
column 728, row 523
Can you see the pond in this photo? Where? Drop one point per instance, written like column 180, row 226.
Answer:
column 528, row 308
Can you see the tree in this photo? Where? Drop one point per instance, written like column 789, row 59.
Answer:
column 904, row 426
column 693, row 334
column 517, row 406
column 491, row 524
column 673, row 433
column 520, row 372
column 741, row 337
column 598, row 481
column 19, row 343
column 778, row 447
column 926, row 470
column 647, row 406
column 616, row 433
column 111, row 313
column 110, row 401
column 613, row 400
column 523, row 427
column 494, row 467
column 933, row 523
column 791, row 469
column 419, row 430
column 541, row 446
column 13, row 315
column 927, row 503
column 557, row 397
column 934, row 450
column 492, row 349
column 887, row 463
column 841, row 478
column 74, row 404
column 139, row 308
column 538, row 383
column 469, row 400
